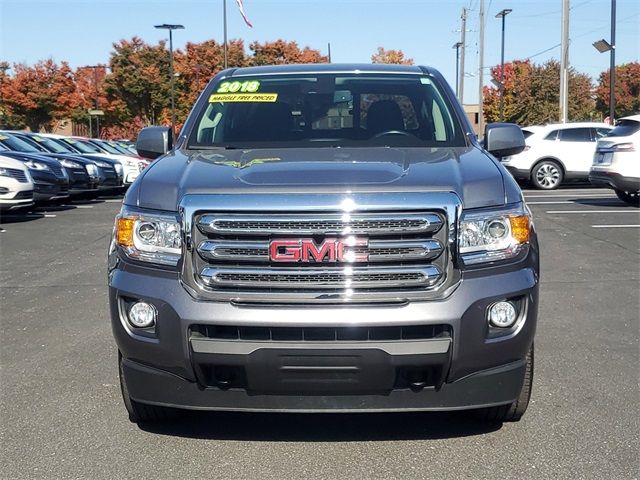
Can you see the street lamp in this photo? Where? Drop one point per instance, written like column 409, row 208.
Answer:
column 502, row 14
column 603, row 46
column 171, row 28
column 457, row 46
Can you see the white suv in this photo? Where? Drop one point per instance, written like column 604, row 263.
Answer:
column 616, row 163
column 557, row 152
column 16, row 184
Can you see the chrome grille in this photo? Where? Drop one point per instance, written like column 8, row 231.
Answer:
column 16, row 174
column 329, row 278
column 330, row 224
column 378, row 250
column 388, row 247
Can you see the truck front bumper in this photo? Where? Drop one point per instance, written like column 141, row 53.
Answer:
column 472, row 366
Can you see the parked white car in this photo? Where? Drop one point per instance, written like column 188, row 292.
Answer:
column 616, row 162
column 556, row 152
column 16, row 184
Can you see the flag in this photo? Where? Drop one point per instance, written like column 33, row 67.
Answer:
column 244, row 15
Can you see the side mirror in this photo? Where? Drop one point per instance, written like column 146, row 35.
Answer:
column 503, row 139
column 154, row 141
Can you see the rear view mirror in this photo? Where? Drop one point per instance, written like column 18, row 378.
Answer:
column 154, row 141
column 503, row 139
column 342, row 96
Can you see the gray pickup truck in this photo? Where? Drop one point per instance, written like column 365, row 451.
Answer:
column 325, row 238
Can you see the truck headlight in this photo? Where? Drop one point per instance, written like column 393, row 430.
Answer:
column 149, row 237
column 493, row 235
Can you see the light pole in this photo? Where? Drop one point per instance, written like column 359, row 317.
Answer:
column 603, row 46
column 502, row 14
column 171, row 28
column 97, row 99
column 457, row 46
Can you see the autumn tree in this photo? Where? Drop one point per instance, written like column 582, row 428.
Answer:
column 390, row 56
column 199, row 63
column 627, row 91
column 531, row 94
column 139, row 80
column 281, row 51
column 40, row 95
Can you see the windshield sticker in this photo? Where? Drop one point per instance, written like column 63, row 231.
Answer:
column 243, row 97
column 2, row 137
column 250, row 86
column 38, row 139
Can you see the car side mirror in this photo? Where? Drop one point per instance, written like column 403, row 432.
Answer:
column 154, row 141
column 503, row 139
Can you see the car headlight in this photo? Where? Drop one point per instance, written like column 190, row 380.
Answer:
column 149, row 237
column 33, row 165
column 102, row 164
column 70, row 164
column 91, row 169
column 130, row 163
column 4, row 172
column 493, row 235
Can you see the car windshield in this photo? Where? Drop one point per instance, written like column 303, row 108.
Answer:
column 624, row 128
column 83, row 147
column 17, row 145
column 355, row 110
column 50, row 144
column 106, row 147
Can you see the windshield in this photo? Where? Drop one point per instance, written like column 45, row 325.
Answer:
column 50, row 144
column 17, row 145
column 105, row 147
column 82, row 147
column 330, row 110
column 624, row 128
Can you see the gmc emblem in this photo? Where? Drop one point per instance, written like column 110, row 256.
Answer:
column 305, row 250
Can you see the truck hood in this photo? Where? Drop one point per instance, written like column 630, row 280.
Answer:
column 475, row 177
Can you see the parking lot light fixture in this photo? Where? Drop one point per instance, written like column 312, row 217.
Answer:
column 171, row 28
column 502, row 14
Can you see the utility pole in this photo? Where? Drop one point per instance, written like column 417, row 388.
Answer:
column 171, row 28
column 462, row 47
column 457, row 46
column 612, row 68
column 224, row 23
column 502, row 14
column 96, row 100
column 564, row 64
column 481, row 72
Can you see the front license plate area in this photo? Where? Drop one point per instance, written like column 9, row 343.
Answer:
column 318, row 372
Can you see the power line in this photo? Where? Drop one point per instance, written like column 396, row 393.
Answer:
column 543, row 51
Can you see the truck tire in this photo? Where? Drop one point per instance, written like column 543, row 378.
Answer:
column 547, row 175
column 629, row 197
column 142, row 412
column 512, row 412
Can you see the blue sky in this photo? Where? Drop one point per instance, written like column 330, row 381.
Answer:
column 82, row 31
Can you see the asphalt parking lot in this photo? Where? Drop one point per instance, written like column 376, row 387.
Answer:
column 62, row 415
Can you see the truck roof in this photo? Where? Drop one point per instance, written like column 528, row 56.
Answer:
column 328, row 68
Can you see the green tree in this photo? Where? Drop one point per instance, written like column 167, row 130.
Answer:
column 627, row 92
column 139, row 81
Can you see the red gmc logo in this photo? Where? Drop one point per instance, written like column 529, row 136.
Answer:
column 329, row 250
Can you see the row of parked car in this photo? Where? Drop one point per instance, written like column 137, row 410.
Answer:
column 607, row 156
column 37, row 168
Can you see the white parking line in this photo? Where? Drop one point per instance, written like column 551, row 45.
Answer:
column 561, row 202
column 49, row 215
column 615, row 226
column 592, row 211
column 596, row 195
column 113, row 201
column 83, row 206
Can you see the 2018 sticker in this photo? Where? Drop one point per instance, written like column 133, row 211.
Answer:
column 250, row 86
column 243, row 97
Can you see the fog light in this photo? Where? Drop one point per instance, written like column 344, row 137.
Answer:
column 502, row 314
column 142, row 315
